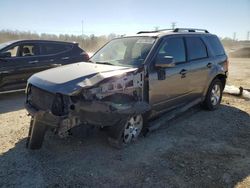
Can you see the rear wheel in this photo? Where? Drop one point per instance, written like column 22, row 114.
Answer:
column 214, row 95
column 36, row 135
column 127, row 132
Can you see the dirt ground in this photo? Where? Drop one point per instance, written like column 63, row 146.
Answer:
column 239, row 72
column 198, row 149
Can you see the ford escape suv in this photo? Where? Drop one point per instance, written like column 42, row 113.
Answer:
column 129, row 81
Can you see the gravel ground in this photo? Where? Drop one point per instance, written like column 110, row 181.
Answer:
column 198, row 149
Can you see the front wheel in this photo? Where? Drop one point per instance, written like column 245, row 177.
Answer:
column 214, row 95
column 127, row 132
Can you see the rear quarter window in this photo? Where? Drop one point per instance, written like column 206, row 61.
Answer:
column 215, row 45
column 196, row 48
column 54, row 48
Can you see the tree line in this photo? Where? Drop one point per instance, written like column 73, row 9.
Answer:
column 89, row 43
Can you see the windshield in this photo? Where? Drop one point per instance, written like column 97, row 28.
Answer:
column 3, row 45
column 131, row 51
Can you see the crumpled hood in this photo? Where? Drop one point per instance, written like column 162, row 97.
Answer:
column 70, row 78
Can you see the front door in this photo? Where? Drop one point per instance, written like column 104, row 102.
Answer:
column 168, row 87
column 15, row 70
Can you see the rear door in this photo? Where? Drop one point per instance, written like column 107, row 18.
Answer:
column 49, row 55
column 168, row 88
column 55, row 54
column 15, row 70
column 199, row 65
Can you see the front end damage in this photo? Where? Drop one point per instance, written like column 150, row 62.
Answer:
column 102, row 100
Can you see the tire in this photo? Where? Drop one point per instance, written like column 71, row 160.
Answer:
column 126, row 132
column 30, row 130
column 214, row 95
column 36, row 135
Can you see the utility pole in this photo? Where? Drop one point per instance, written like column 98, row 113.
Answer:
column 234, row 36
column 173, row 24
column 156, row 28
column 82, row 34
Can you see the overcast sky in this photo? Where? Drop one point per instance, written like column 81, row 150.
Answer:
column 222, row 17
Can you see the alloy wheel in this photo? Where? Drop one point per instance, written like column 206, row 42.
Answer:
column 215, row 94
column 133, row 128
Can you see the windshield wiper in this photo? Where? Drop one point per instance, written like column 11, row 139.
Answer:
column 100, row 62
column 105, row 63
column 91, row 61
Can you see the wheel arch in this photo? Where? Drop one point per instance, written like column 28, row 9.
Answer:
column 221, row 77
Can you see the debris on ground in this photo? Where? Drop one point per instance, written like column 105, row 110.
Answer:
column 237, row 91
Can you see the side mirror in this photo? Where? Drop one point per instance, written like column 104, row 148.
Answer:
column 164, row 62
column 5, row 54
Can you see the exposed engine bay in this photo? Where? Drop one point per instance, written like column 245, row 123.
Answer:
column 129, row 84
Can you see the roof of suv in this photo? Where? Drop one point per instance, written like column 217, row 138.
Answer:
column 164, row 32
column 40, row 40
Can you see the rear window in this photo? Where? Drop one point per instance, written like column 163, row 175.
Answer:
column 216, row 45
column 196, row 48
column 54, row 48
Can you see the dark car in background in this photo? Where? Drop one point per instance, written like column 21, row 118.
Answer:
column 20, row 59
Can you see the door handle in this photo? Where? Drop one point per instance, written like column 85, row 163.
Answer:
column 183, row 73
column 33, row 62
column 56, row 65
column 64, row 58
column 209, row 65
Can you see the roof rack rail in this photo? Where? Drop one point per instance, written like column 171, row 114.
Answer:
column 190, row 30
column 155, row 31
column 176, row 30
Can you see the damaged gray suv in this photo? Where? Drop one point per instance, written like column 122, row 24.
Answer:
column 128, row 82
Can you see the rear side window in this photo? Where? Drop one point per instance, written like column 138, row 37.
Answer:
column 196, row 48
column 173, row 47
column 216, row 45
column 54, row 48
